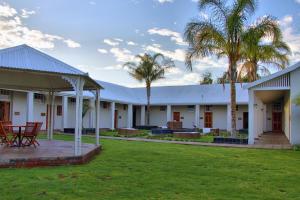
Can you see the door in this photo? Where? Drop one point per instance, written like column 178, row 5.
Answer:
column 208, row 120
column 245, row 120
column 4, row 111
column 116, row 119
column 176, row 116
column 277, row 121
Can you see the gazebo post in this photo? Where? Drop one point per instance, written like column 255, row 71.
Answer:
column 49, row 115
column 97, row 117
column 78, row 120
column 52, row 115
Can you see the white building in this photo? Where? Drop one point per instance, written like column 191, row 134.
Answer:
column 202, row 106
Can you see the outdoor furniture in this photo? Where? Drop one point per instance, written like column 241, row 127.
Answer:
column 17, row 136
column 4, row 136
column 31, row 132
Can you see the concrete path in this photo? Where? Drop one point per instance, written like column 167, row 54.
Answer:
column 256, row 146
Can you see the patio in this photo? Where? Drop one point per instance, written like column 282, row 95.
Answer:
column 49, row 153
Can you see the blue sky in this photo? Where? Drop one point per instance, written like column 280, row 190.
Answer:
column 99, row 36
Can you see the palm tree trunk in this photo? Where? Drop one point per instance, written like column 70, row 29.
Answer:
column 148, row 103
column 233, row 78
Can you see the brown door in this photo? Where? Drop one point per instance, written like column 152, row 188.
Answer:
column 208, row 120
column 116, row 119
column 277, row 121
column 245, row 120
column 176, row 116
column 4, row 111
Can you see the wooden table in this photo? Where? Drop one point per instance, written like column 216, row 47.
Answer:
column 19, row 133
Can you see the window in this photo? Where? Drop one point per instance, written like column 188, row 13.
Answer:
column 208, row 108
column 72, row 100
column 105, row 105
column 237, row 108
column 4, row 92
column 59, row 110
column 124, row 107
column 39, row 97
column 162, row 108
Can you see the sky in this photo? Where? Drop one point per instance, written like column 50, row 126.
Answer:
column 99, row 36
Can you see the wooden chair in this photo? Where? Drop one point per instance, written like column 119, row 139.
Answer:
column 4, row 136
column 31, row 132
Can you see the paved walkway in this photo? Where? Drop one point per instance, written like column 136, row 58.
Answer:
column 256, row 146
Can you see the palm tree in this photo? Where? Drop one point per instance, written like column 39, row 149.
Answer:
column 257, row 52
column 149, row 69
column 221, row 35
column 206, row 78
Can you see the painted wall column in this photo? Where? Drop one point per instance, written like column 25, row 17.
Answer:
column 91, row 112
column 65, row 112
column 52, row 115
column 97, row 116
column 143, row 115
column 129, row 116
column 30, row 107
column 112, row 115
column 229, row 117
column 169, row 113
column 251, row 119
column 197, row 116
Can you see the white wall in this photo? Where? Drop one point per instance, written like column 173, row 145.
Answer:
column 219, row 114
column 286, row 114
column 122, row 115
column 188, row 115
column 39, row 111
column 240, row 116
column 295, row 110
column 158, row 117
column 19, row 101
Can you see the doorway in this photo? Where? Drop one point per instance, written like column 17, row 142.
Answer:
column 176, row 116
column 4, row 111
column 277, row 121
column 208, row 120
column 116, row 119
column 245, row 120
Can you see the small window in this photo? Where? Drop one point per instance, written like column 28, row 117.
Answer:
column 162, row 108
column 237, row 108
column 124, row 107
column 72, row 100
column 105, row 105
column 208, row 108
column 4, row 92
column 39, row 97
column 59, row 110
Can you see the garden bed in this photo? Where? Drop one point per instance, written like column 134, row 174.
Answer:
column 230, row 140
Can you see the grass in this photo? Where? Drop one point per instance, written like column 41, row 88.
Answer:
column 138, row 170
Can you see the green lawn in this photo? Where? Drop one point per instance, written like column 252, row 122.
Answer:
column 138, row 170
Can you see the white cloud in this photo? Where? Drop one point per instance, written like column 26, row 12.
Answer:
column 13, row 32
column 92, row 3
column 104, row 51
column 297, row 1
column 131, row 43
column 119, row 39
column 122, row 55
column 174, row 36
column 286, row 20
column 111, row 42
column 164, row 1
column 26, row 13
column 113, row 67
column 71, row 43
column 177, row 55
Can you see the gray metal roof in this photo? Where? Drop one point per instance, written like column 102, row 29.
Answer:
column 27, row 58
column 214, row 94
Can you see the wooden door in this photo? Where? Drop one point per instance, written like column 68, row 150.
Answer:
column 4, row 111
column 208, row 120
column 277, row 121
column 176, row 116
column 245, row 120
column 116, row 119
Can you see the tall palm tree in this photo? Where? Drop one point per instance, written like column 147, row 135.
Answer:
column 259, row 55
column 206, row 78
column 149, row 69
column 220, row 35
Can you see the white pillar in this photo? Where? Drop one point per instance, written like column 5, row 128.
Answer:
column 52, row 115
column 97, row 113
column 112, row 115
column 229, row 117
column 143, row 115
column 169, row 113
column 197, row 116
column 129, row 116
column 29, row 116
column 78, row 120
column 251, row 123
column 65, row 112
column 91, row 112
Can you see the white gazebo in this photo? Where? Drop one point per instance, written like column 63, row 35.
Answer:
column 25, row 68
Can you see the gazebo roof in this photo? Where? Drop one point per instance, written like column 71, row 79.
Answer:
column 23, row 67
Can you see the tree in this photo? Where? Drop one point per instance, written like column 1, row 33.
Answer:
column 220, row 35
column 149, row 69
column 206, row 78
column 259, row 55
